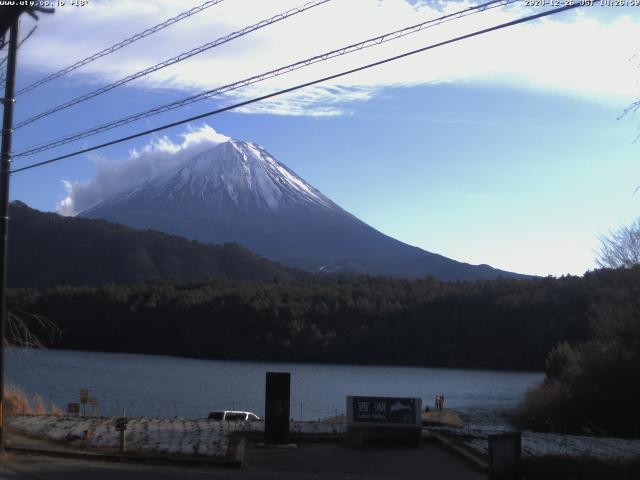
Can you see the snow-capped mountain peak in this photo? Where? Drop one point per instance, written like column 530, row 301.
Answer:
column 232, row 173
column 237, row 192
column 241, row 173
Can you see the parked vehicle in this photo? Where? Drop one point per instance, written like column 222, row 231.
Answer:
column 233, row 416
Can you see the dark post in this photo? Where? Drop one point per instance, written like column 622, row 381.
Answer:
column 505, row 456
column 5, row 166
column 123, row 441
column 277, row 396
column 121, row 426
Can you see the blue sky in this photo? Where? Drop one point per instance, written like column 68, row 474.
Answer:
column 504, row 150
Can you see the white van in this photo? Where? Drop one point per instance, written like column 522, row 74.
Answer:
column 233, row 416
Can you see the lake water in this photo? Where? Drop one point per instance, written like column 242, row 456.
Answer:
column 164, row 386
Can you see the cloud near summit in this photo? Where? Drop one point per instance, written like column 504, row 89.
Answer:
column 115, row 176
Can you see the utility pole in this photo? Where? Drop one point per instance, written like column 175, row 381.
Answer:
column 5, row 167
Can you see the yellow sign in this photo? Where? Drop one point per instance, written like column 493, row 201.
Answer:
column 84, row 396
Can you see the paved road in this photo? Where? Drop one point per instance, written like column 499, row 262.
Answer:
column 35, row 467
column 317, row 462
column 332, row 461
column 23, row 441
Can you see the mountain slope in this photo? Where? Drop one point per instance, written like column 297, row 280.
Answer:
column 237, row 192
column 46, row 249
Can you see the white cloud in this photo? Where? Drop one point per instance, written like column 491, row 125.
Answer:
column 585, row 52
column 114, row 176
column 65, row 205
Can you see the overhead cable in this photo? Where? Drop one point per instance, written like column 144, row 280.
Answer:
column 261, row 77
column 302, row 85
column 4, row 59
column 173, row 60
column 119, row 45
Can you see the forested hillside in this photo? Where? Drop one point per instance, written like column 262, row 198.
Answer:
column 46, row 249
column 502, row 323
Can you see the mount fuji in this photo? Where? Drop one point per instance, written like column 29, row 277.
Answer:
column 238, row 192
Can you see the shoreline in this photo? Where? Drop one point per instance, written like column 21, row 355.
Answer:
column 282, row 362
column 164, row 386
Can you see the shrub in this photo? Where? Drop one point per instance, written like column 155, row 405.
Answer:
column 542, row 408
column 18, row 402
column 592, row 387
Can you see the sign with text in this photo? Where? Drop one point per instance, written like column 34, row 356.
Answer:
column 92, row 401
column 84, row 395
column 121, row 424
column 384, row 411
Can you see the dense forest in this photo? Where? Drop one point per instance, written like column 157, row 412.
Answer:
column 503, row 323
column 47, row 249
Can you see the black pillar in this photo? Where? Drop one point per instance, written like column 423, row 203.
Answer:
column 277, row 396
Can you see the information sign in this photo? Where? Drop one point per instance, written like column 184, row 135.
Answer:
column 384, row 411
column 121, row 423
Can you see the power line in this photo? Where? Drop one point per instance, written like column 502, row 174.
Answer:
column 261, row 77
column 4, row 59
column 302, row 85
column 26, row 37
column 173, row 60
column 119, row 45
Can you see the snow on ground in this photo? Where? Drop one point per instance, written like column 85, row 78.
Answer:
column 212, row 439
column 538, row 444
column 157, row 435
column 306, row 428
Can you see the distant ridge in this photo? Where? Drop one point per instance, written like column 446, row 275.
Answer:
column 46, row 249
column 238, row 192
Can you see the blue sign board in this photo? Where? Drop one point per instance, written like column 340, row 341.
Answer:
column 390, row 411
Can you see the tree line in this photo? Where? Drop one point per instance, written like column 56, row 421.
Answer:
column 503, row 323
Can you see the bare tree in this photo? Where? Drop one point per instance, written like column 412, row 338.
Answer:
column 621, row 249
column 26, row 330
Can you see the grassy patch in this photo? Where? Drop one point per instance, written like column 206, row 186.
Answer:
column 18, row 402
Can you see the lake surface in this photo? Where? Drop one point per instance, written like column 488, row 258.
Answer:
column 164, row 386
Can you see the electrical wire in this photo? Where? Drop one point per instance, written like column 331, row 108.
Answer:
column 174, row 60
column 4, row 59
column 119, row 45
column 262, row 77
column 302, row 85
